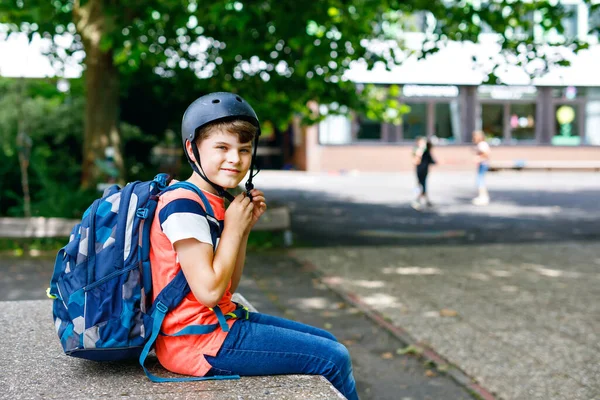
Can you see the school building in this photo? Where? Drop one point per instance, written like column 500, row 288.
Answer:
column 553, row 118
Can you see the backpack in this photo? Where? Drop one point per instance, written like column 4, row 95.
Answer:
column 102, row 280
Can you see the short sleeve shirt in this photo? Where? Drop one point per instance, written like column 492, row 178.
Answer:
column 483, row 148
column 180, row 215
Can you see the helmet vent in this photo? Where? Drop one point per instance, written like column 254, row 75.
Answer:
column 238, row 98
column 216, row 101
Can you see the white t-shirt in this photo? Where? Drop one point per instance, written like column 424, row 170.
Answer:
column 483, row 148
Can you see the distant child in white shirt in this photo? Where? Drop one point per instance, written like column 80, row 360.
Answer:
column 482, row 149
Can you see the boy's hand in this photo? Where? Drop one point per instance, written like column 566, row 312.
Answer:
column 260, row 205
column 239, row 214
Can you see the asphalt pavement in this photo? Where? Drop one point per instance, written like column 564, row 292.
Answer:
column 504, row 294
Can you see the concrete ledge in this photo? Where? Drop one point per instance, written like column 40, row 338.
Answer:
column 36, row 227
column 275, row 219
column 545, row 165
column 34, row 366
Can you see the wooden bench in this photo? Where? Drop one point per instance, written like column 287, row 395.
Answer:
column 274, row 220
column 33, row 365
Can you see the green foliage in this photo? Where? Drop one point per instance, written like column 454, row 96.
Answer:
column 262, row 240
column 382, row 104
column 53, row 121
column 278, row 54
column 35, row 246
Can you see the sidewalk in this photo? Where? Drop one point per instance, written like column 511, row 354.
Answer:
column 274, row 282
column 525, row 326
column 507, row 293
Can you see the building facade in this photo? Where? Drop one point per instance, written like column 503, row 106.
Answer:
column 554, row 117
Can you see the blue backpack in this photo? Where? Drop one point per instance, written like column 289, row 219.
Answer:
column 102, row 281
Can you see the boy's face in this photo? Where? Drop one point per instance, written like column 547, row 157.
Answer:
column 224, row 159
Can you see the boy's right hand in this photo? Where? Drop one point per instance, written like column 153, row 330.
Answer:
column 239, row 214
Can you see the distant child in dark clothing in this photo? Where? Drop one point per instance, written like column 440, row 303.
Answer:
column 422, row 158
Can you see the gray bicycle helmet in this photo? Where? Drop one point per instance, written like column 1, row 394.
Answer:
column 211, row 108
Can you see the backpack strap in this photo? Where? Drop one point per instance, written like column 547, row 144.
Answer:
column 172, row 295
column 167, row 300
column 195, row 189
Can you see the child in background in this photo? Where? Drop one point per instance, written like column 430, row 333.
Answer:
column 482, row 149
column 422, row 158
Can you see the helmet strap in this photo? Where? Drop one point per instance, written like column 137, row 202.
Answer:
column 197, row 167
column 249, row 184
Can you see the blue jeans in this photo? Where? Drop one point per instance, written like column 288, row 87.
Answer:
column 268, row 345
column 481, row 170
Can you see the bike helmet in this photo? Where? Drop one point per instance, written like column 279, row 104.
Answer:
column 211, row 108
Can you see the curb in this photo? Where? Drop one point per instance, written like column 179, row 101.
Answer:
column 426, row 352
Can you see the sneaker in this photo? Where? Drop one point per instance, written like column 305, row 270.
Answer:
column 429, row 204
column 481, row 201
column 416, row 205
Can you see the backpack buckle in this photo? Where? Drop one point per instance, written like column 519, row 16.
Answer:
column 162, row 308
column 142, row 213
column 162, row 180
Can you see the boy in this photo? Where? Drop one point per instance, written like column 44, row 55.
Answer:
column 218, row 131
column 482, row 149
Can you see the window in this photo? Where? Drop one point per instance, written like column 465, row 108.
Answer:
column 368, row 129
column 414, row 123
column 593, row 122
column 594, row 22
column 522, row 122
column 569, row 92
column 492, row 121
column 566, row 123
column 447, row 118
column 335, row 129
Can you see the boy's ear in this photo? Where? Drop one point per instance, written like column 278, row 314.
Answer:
column 190, row 152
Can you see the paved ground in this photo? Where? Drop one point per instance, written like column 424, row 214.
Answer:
column 367, row 209
column 507, row 292
column 280, row 285
column 292, row 292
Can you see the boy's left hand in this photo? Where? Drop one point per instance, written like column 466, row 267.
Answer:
column 260, row 205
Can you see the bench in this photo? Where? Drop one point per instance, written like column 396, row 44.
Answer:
column 545, row 165
column 33, row 365
column 275, row 219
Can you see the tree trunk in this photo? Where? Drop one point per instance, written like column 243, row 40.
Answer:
column 102, row 96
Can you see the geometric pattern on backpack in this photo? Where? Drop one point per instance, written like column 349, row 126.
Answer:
column 102, row 281
column 100, row 303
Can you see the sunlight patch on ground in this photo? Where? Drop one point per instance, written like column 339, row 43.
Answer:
column 381, row 300
column 368, row 284
column 479, row 276
column 556, row 273
column 412, row 271
column 431, row 314
column 333, row 280
column 313, row 303
column 501, row 273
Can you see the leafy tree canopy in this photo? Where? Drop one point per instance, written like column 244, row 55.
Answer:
column 279, row 55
